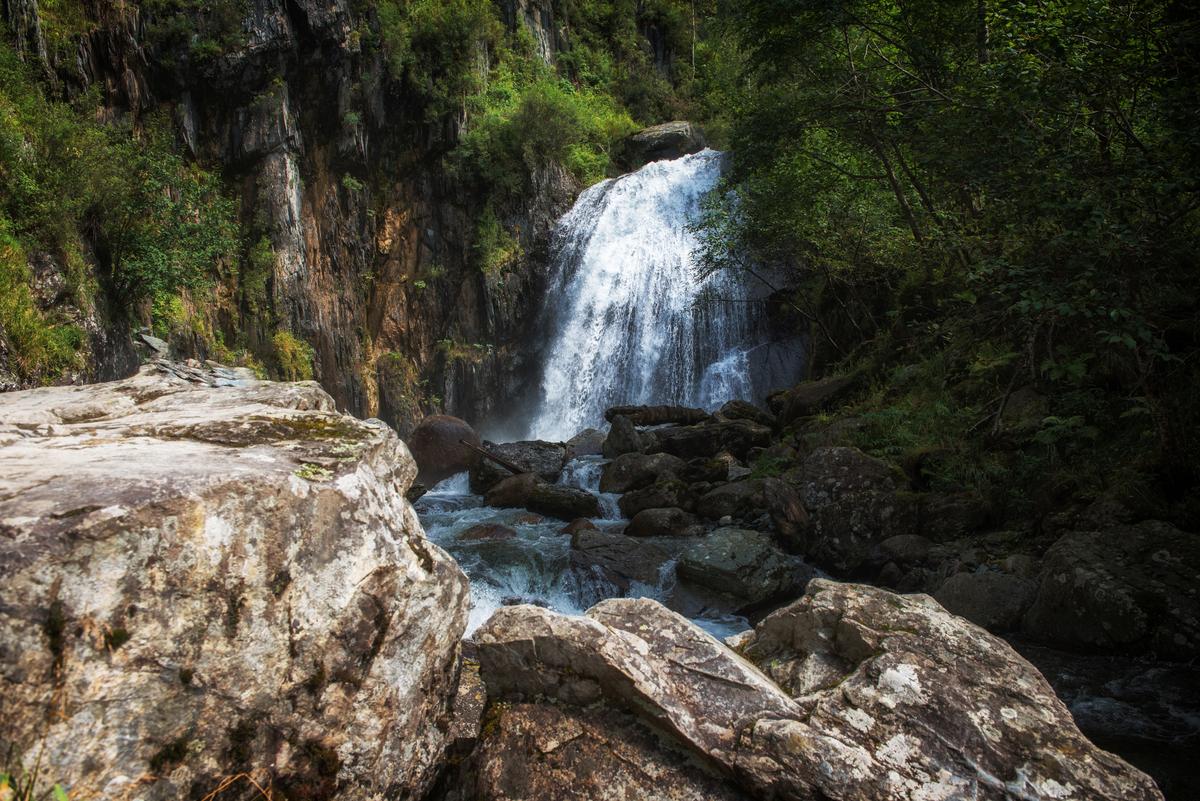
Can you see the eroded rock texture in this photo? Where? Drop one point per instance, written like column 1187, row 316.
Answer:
column 883, row 697
column 207, row 580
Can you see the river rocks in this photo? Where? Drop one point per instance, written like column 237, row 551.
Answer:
column 201, row 581
column 634, row 470
column 852, row 505
column 617, row 558
column 812, row 397
column 485, row 532
column 669, row 522
column 902, row 700
column 741, row 410
column 934, row 706
column 546, row 459
column 661, row 494
column 1120, row 588
column 658, row 415
column 529, row 491
column 436, row 445
column 670, row 140
column 589, row 442
column 576, row 525
column 623, row 437
column 735, row 499
column 987, row 598
column 744, row 564
column 735, row 436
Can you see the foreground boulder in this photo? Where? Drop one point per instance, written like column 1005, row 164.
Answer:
column 437, row 445
column 894, row 699
column 207, row 581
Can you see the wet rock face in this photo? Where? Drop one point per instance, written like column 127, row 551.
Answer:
column 202, row 580
column 887, row 698
column 1123, row 588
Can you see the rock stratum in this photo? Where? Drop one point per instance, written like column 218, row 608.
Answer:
column 211, row 580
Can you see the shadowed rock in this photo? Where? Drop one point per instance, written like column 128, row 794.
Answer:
column 437, row 447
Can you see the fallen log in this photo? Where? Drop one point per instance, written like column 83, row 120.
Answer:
column 485, row 453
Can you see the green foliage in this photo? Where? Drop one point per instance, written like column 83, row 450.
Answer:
column 202, row 30
column 40, row 346
column 1012, row 185
column 495, row 247
column 160, row 223
column 438, row 47
column 294, row 356
column 257, row 269
column 524, row 120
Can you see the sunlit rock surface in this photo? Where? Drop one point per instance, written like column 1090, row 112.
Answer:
column 865, row 695
column 205, row 579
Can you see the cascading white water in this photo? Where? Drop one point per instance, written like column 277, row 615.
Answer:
column 626, row 326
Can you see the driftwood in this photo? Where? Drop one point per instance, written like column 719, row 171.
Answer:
column 485, row 453
column 657, row 415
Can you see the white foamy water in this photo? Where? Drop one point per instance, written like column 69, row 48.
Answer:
column 627, row 327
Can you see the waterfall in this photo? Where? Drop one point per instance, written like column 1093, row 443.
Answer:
column 625, row 323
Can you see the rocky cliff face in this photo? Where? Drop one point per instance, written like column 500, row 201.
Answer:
column 336, row 166
column 212, row 580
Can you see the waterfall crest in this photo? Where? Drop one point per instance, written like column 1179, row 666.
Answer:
column 626, row 326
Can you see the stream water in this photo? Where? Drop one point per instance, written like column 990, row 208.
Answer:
column 628, row 323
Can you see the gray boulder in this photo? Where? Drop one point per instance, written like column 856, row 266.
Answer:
column 623, row 437
column 529, row 491
column 661, row 494
column 743, row 563
column 987, row 598
column 734, row 436
column 617, row 558
column 1129, row 587
column 545, row 459
column 635, row 470
column 669, row 522
column 852, row 504
column 670, row 140
column 201, row 581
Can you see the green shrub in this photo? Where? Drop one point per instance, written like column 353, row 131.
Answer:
column 41, row 348
column 295, row 357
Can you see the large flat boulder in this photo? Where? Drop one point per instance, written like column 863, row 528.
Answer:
column 888, row 698
column 202, row 581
